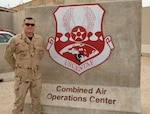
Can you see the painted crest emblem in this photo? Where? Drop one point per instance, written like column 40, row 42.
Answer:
column 79, row 44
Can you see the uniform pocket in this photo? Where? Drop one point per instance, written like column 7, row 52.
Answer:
column 22, row 51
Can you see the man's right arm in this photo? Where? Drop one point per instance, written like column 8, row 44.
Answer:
column 9, row 52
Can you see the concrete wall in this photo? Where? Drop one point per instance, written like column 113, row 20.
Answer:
column 6, row 20
column 34, row 3
column 145, row 31
column 121, row 70
column 18, row 18
column 119, row 75
column 146, row 25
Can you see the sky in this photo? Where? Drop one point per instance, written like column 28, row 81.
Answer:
column 13, row 3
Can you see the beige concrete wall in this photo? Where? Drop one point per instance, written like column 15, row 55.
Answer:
column 121, row 70
column 6, row 20
column 34, row 3
column 18, row 18
column 121, row 32
column 145, row 31
column 146, row 25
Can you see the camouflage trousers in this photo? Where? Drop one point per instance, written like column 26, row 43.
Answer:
column 21, row 90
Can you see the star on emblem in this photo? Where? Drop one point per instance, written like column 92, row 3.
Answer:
column 78, row 34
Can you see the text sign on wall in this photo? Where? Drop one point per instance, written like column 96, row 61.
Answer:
column 91, row 97
column 79, row 43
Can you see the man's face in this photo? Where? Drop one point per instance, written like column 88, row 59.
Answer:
column 29, row 26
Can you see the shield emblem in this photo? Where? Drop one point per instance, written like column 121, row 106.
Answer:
column 79, row 43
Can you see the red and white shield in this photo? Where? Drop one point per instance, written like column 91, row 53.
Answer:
column 79, row 43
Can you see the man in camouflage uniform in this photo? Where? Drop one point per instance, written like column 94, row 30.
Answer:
column 24, row 52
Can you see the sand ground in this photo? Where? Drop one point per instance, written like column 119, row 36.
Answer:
column 7, row 96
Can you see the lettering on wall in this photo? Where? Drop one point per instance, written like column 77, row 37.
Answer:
column 88, row 95
column 79, row 43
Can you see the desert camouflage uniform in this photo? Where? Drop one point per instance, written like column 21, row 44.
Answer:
column 24, row 56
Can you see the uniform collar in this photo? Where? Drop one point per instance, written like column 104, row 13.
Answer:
column 26, row 39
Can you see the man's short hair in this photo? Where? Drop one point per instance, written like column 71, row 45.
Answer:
column 28, row 18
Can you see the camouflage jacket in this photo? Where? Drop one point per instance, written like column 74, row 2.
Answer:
column 24, row 56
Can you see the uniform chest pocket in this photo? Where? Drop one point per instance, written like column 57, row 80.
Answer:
column 22, row 50
column 38, row 47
